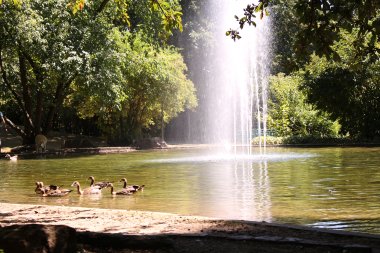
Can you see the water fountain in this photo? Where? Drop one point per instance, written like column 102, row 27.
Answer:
column 238, row 77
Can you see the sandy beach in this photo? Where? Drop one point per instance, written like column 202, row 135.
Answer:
column 140, row 231
column 104, row 220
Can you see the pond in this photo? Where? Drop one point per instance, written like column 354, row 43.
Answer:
column 336, row 188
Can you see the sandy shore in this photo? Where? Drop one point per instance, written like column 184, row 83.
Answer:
column 131, row 222
column 104, row 220
column 178, row 233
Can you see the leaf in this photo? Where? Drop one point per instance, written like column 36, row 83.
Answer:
column 17, row 3
column 259, row 7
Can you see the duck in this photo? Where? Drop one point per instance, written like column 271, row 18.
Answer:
column 11, row 157
column 131, row 188
column 86, row 191
column 51, row 190
column 121, row 192
column 100, row 185
column 41, row 189
column 56, row 193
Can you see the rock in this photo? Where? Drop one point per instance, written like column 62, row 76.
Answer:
column 37, row 238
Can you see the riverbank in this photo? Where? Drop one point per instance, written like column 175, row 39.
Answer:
column 59, row 145
column 62, row 145
column 140, row 231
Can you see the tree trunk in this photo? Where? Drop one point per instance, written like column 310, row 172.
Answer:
column 38, row 113
column 28, row 133
column 162, row 124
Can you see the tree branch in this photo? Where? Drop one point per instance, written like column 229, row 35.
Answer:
column 19, row 130
column 101, row 7
column 25, row 89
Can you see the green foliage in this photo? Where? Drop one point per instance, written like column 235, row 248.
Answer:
column 171, row 14
column 43, row 48
column 320, row 22
column 337, row 45
column 347, row 89
column 157, row 18
column 248, row 17
column 284, row 27
column 290, row 115
column 351, row 97
column 307, row 140
column 149, row 85
column 66, row 52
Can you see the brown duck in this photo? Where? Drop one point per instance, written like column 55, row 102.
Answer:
column 100, row 185
column 131, row 188
column 86, row 191
column 120, row 192
column 50, row 190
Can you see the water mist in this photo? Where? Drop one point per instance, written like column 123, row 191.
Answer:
column 237, row 79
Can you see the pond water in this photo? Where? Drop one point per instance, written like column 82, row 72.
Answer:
column 336, row 188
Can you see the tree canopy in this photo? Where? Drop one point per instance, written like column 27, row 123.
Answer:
column 320, row 23
column 334, row 48
column 64, row 53
column 109, row 60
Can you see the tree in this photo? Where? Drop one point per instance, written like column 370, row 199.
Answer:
column 45, row 47
column 42, row 52
column 349, row 96
column 336, row 46
column 291, row 115
column 320, row 23
column 153, row 88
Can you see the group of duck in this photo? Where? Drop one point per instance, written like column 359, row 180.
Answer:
column 94, row 188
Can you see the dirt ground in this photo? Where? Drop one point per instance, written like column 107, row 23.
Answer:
column 104, row 220
column 139, row 231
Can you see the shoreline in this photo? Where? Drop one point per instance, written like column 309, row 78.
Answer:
column 137, row 222
column 56, row 146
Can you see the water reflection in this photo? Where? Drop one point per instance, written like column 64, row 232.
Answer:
column 324, row 187
column 252, row 191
